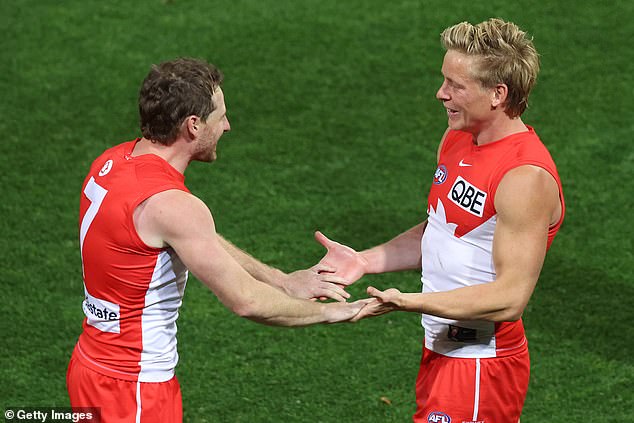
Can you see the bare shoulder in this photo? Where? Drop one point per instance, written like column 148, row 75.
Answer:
column 528, row 191
column 169, row 214
column 176, row 201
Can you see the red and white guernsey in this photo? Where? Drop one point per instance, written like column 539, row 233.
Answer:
column 132, row 291
column 457, row 243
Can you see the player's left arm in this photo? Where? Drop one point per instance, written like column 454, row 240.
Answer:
column 316, row 282
column 527, row 204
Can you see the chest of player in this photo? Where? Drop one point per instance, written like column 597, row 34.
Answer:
column 465, row 181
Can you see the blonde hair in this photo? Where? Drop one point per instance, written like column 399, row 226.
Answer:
column 506, row 56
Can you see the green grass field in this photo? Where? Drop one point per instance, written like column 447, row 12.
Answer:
column 334, row 127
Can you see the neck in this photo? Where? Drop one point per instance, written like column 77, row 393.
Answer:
column 499, row 130
column 172, row 154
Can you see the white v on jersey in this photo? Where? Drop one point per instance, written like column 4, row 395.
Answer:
column 457, row 245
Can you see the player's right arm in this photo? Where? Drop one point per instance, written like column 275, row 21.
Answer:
column 316, row 282
column 180, row 220
column 400, row 253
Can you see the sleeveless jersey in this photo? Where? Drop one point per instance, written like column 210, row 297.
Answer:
column 458, row 240
column 132, row 291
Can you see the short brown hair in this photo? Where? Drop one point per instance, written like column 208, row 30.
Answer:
column 506, row 55
column 172, row 91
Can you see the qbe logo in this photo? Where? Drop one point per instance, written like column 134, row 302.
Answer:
column 438, row 417
column 440, row 175
column 468, row 197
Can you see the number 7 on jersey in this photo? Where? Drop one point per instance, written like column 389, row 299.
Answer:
column 95, row 193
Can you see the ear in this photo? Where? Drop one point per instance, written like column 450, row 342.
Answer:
column 498, row 95
column 191, row 126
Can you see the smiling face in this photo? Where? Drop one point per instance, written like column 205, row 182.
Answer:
column 470, row 106
column 211, row 129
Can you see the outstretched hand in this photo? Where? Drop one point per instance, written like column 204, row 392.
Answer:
column 346, row 262
column 383, row 302
column 318, row 282
column 346, row 312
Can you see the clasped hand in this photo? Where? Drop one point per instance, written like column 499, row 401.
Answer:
column 344, row 262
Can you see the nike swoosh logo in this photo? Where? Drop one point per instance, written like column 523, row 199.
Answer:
column 463, row 164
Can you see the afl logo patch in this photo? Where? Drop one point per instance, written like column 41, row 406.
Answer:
column 438, row 417
column 106, row 168
column 441, row 175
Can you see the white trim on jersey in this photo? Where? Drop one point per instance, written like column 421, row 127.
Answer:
column 158, row 322
column 451, row 262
